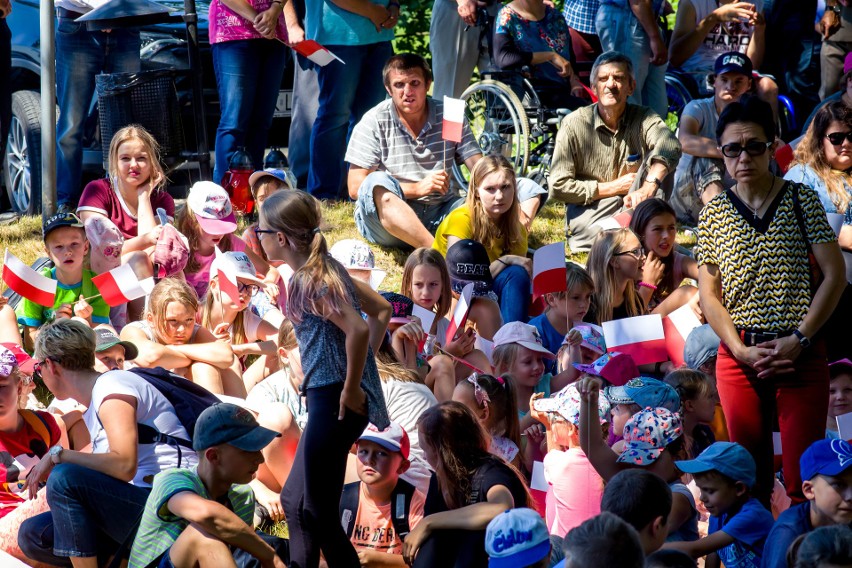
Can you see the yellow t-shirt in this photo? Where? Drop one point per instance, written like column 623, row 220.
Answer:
column 459, row 224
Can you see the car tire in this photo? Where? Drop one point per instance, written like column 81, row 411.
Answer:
column 22, row 162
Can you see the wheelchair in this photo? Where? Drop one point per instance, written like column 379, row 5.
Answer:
column 507, row 116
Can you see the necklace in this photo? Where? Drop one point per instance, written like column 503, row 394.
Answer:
column 762, row 203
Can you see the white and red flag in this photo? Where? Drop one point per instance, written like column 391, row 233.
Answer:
column 453, row 119
column 315, row 52
column 549, row 272
column 27, row 282
column 227, row 278
column 641, row 337
column 460, row 315
column 677, row 327
column 121, row 285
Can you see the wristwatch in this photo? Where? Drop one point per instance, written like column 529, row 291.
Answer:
column 836, row 9
column 657, row 183
column 55, row 453
column 803, row 340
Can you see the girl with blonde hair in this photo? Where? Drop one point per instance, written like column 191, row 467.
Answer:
column 615, row 264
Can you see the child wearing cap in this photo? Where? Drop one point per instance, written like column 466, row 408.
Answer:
column 574, row 487
column 111, row 352
column 359, row 261
column 839, row 395
column 66, row 245
column 583, row 345
column 826, row 469
column 517, row 539
column 634, row 395
column 378, row 511
column 204, row 514
column 725, row 473
column 264, row 183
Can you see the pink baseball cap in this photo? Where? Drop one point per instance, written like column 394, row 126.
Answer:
column 615, row 367
column 393, row 438
column 26, row 363
column 212, row 208
column 524, row 335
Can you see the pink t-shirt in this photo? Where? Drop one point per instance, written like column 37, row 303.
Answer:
column 100, row 197
column 201, row 280
column 575, row 490
column 227, row 25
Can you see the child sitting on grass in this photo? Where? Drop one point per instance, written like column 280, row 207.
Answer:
column 493, row 401
column 725, row 472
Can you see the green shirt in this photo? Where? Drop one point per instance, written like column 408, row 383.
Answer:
column 160, row 528
column 33, row 315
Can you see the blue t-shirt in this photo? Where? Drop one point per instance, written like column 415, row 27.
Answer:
column 791, row 523
column 550, row 338
column 328, row 24
column 749, row 528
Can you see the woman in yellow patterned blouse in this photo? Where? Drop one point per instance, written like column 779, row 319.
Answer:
column 755, row 287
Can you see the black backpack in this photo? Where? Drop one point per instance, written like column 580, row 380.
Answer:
column 400, row 507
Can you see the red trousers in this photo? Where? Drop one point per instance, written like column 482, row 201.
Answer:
column 799, row 400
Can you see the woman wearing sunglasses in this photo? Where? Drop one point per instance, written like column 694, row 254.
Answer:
column 755, row 284
column 823, row 162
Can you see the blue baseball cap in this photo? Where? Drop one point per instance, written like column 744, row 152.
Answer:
column 226, row 423
column 825, row 457
column 701, row 344
column 728, row 458
column 645, row 392
column 517, row 537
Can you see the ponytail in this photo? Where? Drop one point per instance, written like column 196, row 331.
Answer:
column 500, row 395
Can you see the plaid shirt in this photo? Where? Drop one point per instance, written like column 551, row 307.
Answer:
column 580, row 15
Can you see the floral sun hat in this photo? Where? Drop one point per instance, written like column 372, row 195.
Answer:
column 647, row 434
column 567, row 403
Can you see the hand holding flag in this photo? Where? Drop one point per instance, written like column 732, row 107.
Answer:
column 315, row 52
column 453, row 119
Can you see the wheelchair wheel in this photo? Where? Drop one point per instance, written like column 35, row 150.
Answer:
column 677, row 93
column 498, row 122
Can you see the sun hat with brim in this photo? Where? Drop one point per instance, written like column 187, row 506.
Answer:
column 517, row 537
column 645, row 391
column 26, row 364
column 567, row 402
column 211, row 205
column 728, row 458
column 354, row 254
column 226, row 423
column 105, row 339
column 524, row 335
column 280, row 175
column 616, row 368
column 647, row 434
column 236, row 263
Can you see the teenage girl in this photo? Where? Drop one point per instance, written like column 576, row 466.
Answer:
column 341, row 381
column 655, row 224
column 494, row 403
column 168, row 337
column 615, row 264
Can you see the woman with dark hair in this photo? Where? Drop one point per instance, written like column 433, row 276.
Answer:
column 754, row 242
column 824, row 161
column 472, row 488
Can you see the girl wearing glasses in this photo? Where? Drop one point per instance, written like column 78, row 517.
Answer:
column 823, row 162
column 615, row 264
column 168, row 337
column 230, row 320
column 755, row 284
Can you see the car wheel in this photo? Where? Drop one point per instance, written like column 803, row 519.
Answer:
column 22, row 163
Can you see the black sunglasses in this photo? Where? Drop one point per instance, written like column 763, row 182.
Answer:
column 752, row 149
column 837, row 138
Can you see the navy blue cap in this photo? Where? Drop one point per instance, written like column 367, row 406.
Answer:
column 733, row 62
column 825, row 457
column 60, row 220
column 728, row 458
column 226, row 423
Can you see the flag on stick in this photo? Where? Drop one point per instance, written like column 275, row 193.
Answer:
column 453, row 119
column 316, row 53
column 27, row 282
column 549, row 271
column 121, row 285
column 460, row 315
column 641, row 337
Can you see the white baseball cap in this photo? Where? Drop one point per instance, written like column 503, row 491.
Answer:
column 212, row 208
column 524, row 335
column 357, row 255
column 239, row 264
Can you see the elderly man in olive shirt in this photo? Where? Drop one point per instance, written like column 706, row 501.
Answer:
column 611, row 155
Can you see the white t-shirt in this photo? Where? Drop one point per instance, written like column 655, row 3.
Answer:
column 406, row 401
column 153, row 409
column 278, row 387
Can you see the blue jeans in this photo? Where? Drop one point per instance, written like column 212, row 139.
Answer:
column 248, row 76
column 346, row 92
column 305, row 103
column 80, row 55
column 513, row 287
column 91, row 514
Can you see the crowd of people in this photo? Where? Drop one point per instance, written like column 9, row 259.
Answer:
column 270, row 378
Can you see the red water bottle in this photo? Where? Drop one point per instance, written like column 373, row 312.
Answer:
column 236, row 181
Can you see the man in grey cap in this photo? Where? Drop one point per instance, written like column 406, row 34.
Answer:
column 111, row 352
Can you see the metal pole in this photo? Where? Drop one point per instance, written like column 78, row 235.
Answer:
column 190, row 17
column 48, row 110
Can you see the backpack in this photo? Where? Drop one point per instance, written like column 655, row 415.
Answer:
column 37, row 423
column 400, row 507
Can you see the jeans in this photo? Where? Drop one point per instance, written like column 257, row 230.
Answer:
column 311, row 496
column 248, row 76
column 513, row 287
column 346, row 92
column 80, row 55
column 305, row 107
column 91, row 514
column 619, row 30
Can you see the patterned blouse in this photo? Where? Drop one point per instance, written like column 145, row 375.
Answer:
column 763, row 262
column 548, row 34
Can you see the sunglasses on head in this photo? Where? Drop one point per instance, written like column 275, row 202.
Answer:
column 752, row 149
column 837, row 138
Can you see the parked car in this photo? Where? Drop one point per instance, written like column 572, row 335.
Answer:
column 163, row 46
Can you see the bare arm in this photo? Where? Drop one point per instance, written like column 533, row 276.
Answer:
column 693, row 143
column 681, row 512
column 703, row 546
column 357, row 333
column 644, row 12
column 241, row 8
column 845, row 238
column 602, row 458
column 378, row 312
column 830, row 261
column 143, row 240
column 757, row 44
column 686, row 36
column 152, row 354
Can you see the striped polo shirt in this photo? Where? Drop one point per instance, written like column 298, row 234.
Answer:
column 381, row 142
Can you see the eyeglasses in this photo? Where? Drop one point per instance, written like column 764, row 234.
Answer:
column 242, row 288
column 837, row 138
column 37, row 368
column 752, row 149
column 637, row 252
column 258, row 232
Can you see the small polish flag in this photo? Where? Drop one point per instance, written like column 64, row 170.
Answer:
column 427, row 318
column 227, row 278
column 641, row 337
column 619, row 221
column 549, row 271
column 27, row 282
column 121, row 285
column 460, row 315
column 316, row 53
column 677, row 326
column 453, row 119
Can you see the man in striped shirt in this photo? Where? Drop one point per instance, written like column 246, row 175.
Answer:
column 400, row 167
column 610, row 156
